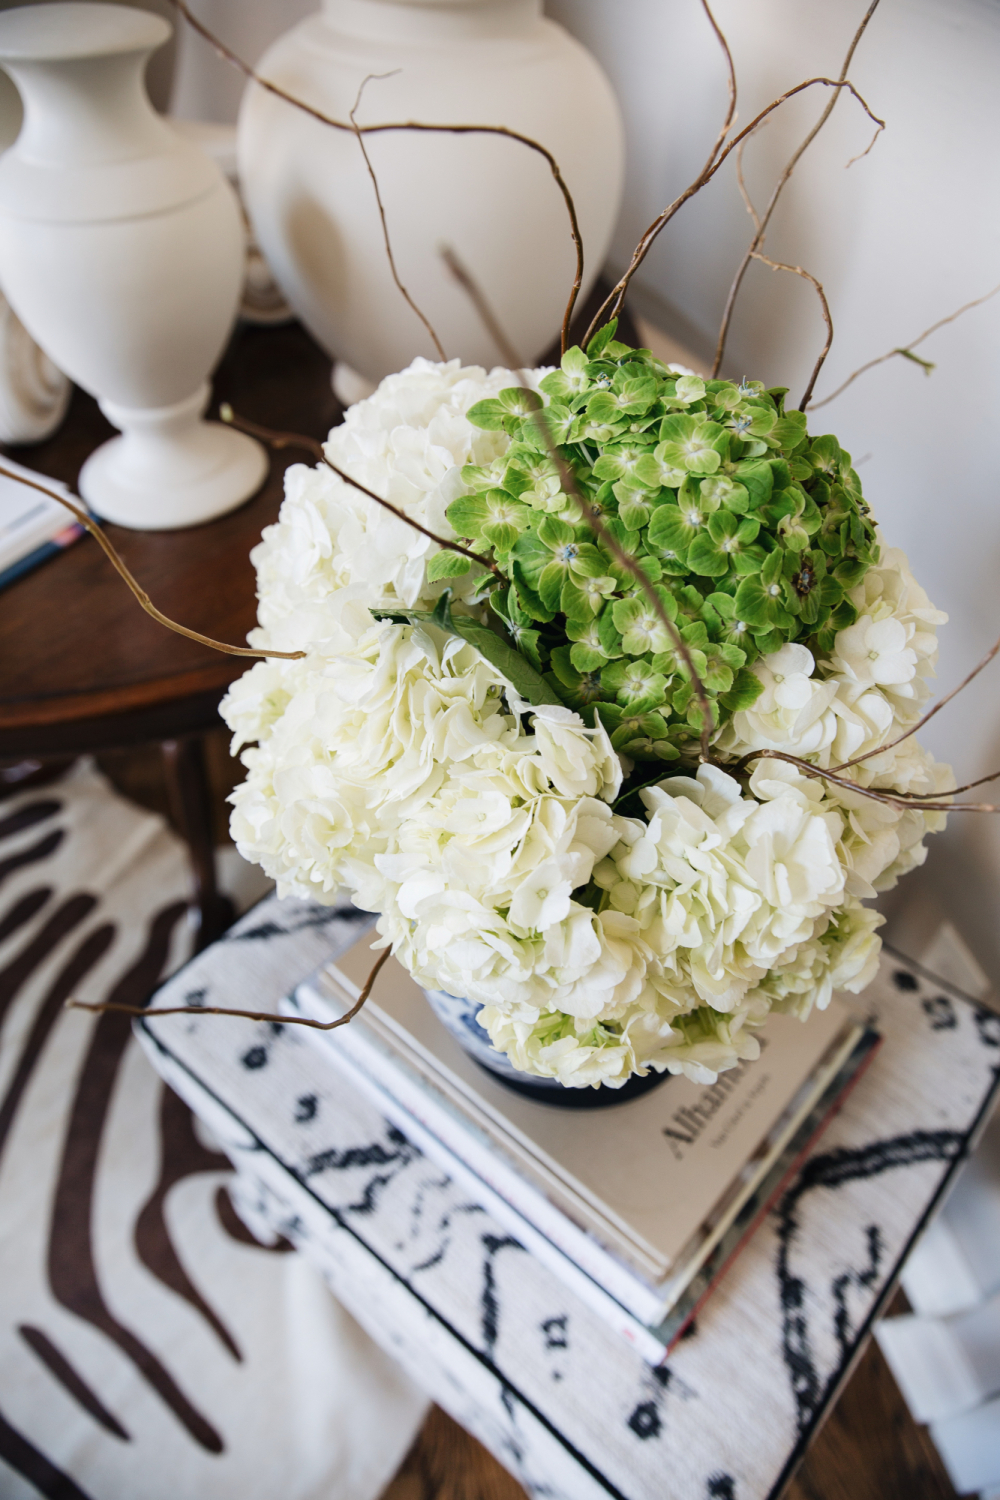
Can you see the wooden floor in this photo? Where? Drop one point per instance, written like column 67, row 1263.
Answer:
column 869, row 1449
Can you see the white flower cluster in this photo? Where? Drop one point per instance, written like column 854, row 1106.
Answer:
column 393, row 760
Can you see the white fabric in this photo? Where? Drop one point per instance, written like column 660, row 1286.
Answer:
column 311, row 1409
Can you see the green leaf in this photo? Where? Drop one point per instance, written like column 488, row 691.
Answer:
column 789, row 432
column 528, row 600
column 527, row 642
column 689, row 388
column 634, row 684
column 550, row 585
column 641, row 735
column 610, row 639
column 689, row 443
column 489, row 415
column 570, row 380
column 640, row 625
column 510, row 663
column 531, row 556
column 585, row 658
column 746, row 689
column 718, row 490
column 518, row 401
column 673, row 528
column 706, row 558
column 602, row 338
column 761, row 605
column 447, row 565
column 756, row 476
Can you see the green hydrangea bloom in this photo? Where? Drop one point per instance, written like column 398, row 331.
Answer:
column 751, row 531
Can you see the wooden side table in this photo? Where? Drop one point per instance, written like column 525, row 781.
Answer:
column 83, row 669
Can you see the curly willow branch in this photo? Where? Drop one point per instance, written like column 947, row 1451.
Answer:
column 567, row 481
column 730, row 81
column 761, row 221
column 881, row 749
column 419, row 125
column 118, row 564
column 906, row 350
column 917, row 801
column 279, row 440
column 777, row 265
column 611, row 305
column 371, row 78
column 224, row 1010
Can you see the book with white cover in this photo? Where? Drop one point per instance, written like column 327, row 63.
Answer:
column 32, row 525
column 638, row 1206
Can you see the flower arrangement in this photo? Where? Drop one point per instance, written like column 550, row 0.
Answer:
column 626, row 779
column 598, row 684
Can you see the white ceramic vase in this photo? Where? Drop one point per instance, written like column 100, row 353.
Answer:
column 121, row 251
column 495, row 62
column 34, row 395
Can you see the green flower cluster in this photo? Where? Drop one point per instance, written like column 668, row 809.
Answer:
column 751, row 532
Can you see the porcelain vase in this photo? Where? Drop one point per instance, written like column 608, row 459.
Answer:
column 34, row 395
column 459, row 1017
column 492, row 200
column 121, row 251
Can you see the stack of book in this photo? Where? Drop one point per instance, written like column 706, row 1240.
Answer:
column 637, row 1207
column 32, row 526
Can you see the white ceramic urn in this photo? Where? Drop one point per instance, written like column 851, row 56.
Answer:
column 493, row 201
column 121, row 251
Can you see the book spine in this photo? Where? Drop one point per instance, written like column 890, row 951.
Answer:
column 347, row 1062
column 643, row 1303
column 31, row 560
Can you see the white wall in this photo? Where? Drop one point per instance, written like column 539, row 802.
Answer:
column 900, row 239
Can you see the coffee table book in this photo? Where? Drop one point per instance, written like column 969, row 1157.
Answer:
column 637, row 1207
column 32, row 526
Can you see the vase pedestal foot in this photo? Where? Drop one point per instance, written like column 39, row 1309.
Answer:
column 349, row 385
column 169, row 468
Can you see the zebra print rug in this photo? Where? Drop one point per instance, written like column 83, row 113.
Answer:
column 150, row 1347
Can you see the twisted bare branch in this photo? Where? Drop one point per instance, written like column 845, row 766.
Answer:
column 225, row 1010
column 762, row 221
column 232, row 57
column 381, row 213
column 279, row 440
column 567, row 481
column 777, row 265
column 611, row 305
column 906, row 350
column 730, row 82
column 118, row 564
column 916, row 801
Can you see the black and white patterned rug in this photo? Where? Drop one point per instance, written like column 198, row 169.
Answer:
column 150, row 1347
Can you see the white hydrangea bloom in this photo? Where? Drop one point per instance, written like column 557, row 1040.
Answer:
column 333, row 552
column 794, row 712
column 395, row 762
